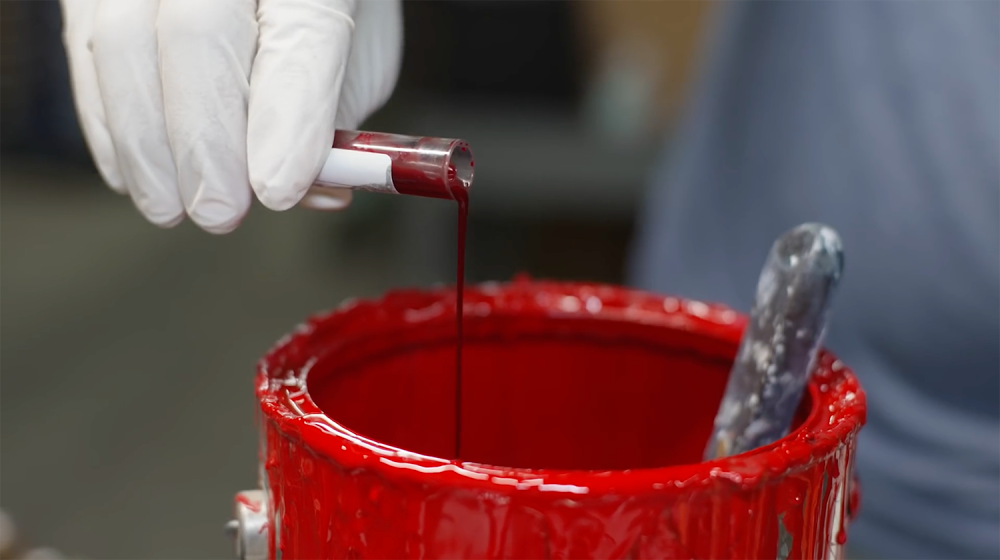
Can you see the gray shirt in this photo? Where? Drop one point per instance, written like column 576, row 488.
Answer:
column 881, row 119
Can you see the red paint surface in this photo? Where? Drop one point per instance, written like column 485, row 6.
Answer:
column 596, row 400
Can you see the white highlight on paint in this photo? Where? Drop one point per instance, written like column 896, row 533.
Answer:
column 698, row 309
column 353, row 169
column 519, row 484
column 569, row 304
column 435, row 470
column 563, row 488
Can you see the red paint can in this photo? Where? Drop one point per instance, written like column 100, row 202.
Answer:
column 586, row 409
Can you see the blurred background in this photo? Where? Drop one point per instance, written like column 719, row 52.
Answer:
column 126, row 408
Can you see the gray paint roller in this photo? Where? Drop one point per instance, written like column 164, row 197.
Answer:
column 781, row 341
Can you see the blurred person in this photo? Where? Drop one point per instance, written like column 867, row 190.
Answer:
column 881, row 119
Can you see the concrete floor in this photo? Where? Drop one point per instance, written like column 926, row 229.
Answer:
column 126, row 407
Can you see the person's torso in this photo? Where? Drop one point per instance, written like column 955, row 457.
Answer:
column 881, row 119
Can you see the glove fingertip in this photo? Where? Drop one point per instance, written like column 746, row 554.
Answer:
column 222, row 228
column 105, row 159
column 328, row 199
column 113, row 178
column 216, row 218
column 277, row 198
column 159, row 215
column 218, row 211
column 280, row 183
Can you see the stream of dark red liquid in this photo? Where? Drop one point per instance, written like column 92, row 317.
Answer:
column 462, row 198
column 411, row 175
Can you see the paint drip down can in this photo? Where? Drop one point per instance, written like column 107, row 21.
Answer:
column 586, row 409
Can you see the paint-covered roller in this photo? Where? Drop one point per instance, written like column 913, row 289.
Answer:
column 781, row 341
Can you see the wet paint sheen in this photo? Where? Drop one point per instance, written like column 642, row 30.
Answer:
column 585, row 412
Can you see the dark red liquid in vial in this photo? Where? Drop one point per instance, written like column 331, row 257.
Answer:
column 413, row 173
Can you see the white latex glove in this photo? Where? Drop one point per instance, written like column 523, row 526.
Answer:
column 188, row 104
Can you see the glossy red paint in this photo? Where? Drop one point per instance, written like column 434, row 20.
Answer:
column 585, row 412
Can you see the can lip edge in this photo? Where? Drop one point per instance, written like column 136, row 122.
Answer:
column 832, row 386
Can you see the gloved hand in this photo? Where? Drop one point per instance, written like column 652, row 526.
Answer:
column 188, row 104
